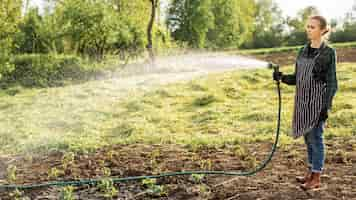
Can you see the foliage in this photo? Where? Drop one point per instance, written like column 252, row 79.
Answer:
column 233, row 23
column 189, row 21
column 211, row 24
column 10, row 12
column 268, row 27
column 43, row 70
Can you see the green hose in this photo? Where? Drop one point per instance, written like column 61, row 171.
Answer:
column 133, row 178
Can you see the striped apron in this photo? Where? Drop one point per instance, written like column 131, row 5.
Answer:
column 308, row 97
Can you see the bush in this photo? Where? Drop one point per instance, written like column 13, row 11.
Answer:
column 44, row 70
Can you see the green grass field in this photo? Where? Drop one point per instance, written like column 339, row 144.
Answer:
column 217, row 110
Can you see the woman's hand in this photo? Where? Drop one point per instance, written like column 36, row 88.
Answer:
column 277, row 76
column 326, row 125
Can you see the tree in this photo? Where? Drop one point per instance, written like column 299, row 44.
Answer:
column 89, row 26
column 348, row 31
column 28, row 39
column 233, row 23
column 154, row 4
column 10, row 15
column 132, row 32
column 189, row 21
column 211, row 23
column 268, row 26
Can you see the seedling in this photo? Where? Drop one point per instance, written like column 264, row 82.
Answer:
column 67, row 193
column 152, row 188
column 67, row 159
column 11, row 173
column 206, row 164
column 197, row 178
column 107, row 187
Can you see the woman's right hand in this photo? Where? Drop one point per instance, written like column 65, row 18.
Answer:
column 277, row 76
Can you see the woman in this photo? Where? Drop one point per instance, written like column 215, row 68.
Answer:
column 316, row 85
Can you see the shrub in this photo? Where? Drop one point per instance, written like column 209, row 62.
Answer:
column 44, row 70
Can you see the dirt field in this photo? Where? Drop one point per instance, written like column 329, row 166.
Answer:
column 277, row 181
column 288, row 58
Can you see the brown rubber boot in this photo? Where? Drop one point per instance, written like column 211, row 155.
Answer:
column 313, row 182
column 303, row 179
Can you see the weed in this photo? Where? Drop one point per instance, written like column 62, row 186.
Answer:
column 11, row 173
column 240, row 152
column 152, row 187
column 67, row 193
column 197, row 178
column 107, row 187
column 67, row 160
column 205, row 164
column 55, row 173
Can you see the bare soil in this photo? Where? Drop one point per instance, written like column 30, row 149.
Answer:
column 277, row 181
column 288, row 58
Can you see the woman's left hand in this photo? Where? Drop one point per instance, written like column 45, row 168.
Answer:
column 326, row 125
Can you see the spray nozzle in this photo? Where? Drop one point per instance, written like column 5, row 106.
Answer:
column 273, row 66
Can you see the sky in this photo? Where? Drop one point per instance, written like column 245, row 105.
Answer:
column 328, row 8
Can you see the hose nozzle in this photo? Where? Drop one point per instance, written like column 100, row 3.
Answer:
column 276, row 71
column 273, row 66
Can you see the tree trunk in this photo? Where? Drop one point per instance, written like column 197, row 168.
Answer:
column 149, row 32
column 27, row 6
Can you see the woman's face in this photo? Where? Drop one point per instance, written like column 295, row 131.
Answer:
column 313, row 29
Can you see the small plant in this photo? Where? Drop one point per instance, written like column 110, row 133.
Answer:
column 55, row 173
column 153, row 159
column 110, row 155
column 106, row 172
column 240, row 152
column 107, row 187
column 18, row 195
column 67, row 193
column 11, row 173
column 101, row 162
column 203, row 189
column 197, row 178
column 152, row 188
column 67, row 159
column 205, row 164
column 251, row 162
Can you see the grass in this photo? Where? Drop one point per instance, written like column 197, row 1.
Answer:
column 214, row 111
column 290, row 49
